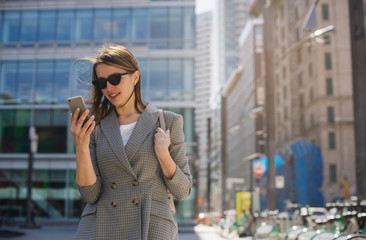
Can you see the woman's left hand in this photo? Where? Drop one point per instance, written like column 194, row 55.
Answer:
column 162, row 142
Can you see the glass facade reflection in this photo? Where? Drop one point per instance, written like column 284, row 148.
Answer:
column 64, row 25
column 159, row 27
column 38, row 72
column 14, row 130
column 51, row 125
column 52, row 129
column 49, row 189
column 52, row 81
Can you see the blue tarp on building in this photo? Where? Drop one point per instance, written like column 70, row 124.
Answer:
column 308, row 173
column 303, row 174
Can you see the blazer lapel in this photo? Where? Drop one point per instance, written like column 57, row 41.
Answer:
column 145, row 124
column 111, row 130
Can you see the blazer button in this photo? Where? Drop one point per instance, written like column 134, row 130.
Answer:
column 114, row 204
column 113, row 185
column 135, row 183
column 135, row 202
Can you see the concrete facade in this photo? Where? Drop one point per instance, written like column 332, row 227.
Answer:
column 242, row 101
column 313, row 88
column 203, row 92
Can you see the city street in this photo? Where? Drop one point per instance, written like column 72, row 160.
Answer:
column 62, row 232
column 245, row 116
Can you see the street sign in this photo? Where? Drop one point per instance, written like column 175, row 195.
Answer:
column 280, row 182
column 258, row 169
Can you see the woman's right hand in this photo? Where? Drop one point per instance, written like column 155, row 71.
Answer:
column 81, row 133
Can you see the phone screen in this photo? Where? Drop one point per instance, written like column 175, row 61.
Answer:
column 75, row 103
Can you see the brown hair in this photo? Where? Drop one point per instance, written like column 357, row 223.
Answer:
column 117, row 56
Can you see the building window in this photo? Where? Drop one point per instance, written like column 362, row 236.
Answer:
column 301, row 100
column 51, row 127
column 330, row 111
column 331, row 140
column 310, row 69
column 325, row 11
column 278, row 79
column 139, row 24
column 44, row 83
column 121, row 27
column 333, row 173
column 299, row 56
column 327, row 39
column 83, row 25
column 168, row 23
column 28, row 29
column 53, row 84
column 298, row 12
column 328, row 61
column 102, row 24
column 47, row 25
column 16, row 82
column 176, row 83
column 14, row 131
column 286, row 113
column 301, row 78
column 329, row 83
column 65, row 26
column 11, row 23
column 311, row 94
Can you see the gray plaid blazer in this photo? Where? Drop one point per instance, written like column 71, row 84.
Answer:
column 129, row 199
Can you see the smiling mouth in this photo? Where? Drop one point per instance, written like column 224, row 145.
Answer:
column 114, row 95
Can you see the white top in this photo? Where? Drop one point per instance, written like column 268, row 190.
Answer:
column 126, row 131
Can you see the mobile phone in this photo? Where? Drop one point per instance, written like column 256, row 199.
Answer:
column 77, row 102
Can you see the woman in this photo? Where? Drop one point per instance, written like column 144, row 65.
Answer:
column 125, row 167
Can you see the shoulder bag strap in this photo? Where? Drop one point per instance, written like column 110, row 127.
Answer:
column 162, row 120
column 163, row 126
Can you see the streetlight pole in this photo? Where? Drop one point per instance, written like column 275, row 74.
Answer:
column 250, row 159
column 270, row 149
column 33, row 137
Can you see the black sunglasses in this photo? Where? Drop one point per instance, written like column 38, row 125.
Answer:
column 113, row 79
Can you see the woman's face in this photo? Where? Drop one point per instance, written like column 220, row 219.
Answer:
column 119, row 94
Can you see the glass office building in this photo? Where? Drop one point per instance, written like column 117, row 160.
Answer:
column 39, row 47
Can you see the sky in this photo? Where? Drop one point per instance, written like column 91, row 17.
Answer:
column 204, row 5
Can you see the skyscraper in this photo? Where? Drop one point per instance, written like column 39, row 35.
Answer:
column 232, row 16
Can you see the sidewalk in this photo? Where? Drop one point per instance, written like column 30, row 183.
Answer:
column 56, row 232
column 64, row 230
